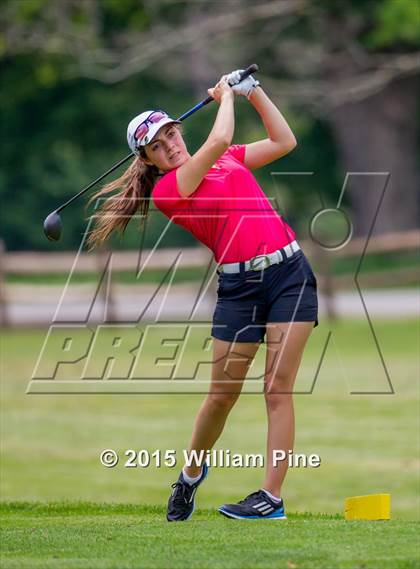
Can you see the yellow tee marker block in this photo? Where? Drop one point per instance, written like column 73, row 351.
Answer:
column 371, row 507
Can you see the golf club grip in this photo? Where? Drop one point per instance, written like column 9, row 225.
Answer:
column 248, row 71
column 245, row 73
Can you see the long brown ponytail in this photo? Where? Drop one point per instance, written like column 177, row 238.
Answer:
column 136, row 185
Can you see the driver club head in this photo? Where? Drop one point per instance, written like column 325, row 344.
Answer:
column 53, row 226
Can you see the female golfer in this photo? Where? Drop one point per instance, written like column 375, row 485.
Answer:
column 266, row 286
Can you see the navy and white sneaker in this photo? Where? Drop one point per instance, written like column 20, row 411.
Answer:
column 181, row 503
column 256, row 506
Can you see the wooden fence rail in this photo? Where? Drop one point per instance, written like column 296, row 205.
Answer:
column 30, row 262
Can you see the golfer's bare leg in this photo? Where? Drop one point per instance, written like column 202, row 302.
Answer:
column 230, row 366
column 285, row 345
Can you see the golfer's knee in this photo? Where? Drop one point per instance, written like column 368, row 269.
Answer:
column 277, row 401
column 221, row 401
column 278, row 392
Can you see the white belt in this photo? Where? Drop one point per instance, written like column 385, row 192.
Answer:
column 261, row 262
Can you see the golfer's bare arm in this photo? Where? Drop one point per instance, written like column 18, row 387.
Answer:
column 281, row 139
column 191, row 173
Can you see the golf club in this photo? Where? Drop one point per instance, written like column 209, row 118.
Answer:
column 53, row 224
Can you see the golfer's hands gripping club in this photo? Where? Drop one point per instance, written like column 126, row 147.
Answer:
column 244, row 87
column 221, row 89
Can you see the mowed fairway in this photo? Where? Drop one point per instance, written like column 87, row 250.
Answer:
column 367, row 442
column 82, row 536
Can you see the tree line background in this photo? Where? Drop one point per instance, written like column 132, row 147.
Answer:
column 74, row 72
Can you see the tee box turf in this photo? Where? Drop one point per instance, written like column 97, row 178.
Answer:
column 371, row 507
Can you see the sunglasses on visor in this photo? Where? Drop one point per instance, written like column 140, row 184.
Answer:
column 143, row 127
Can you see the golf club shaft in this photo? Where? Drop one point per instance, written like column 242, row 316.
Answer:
column 245, row 73
column 117, row 165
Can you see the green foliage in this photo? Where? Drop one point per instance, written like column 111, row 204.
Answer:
column 60, row 130
column 120, row 16
column 28, row 11
column 376, row 24
column 58, row 135
column 396, row 21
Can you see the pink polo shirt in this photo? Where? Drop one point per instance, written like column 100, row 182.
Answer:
column 228, row 212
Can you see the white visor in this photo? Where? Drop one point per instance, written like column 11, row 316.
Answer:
column 143, row 128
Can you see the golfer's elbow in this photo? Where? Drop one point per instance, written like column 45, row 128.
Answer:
column 287, row 145
column 291, row 143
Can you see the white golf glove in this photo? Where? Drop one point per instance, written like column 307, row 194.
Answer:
column 244, row 87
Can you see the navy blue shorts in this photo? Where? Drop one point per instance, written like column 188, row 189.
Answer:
column 284, row 292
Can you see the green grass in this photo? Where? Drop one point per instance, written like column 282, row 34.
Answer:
column 368, row 443
column 152, row 276
column 105, row 536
